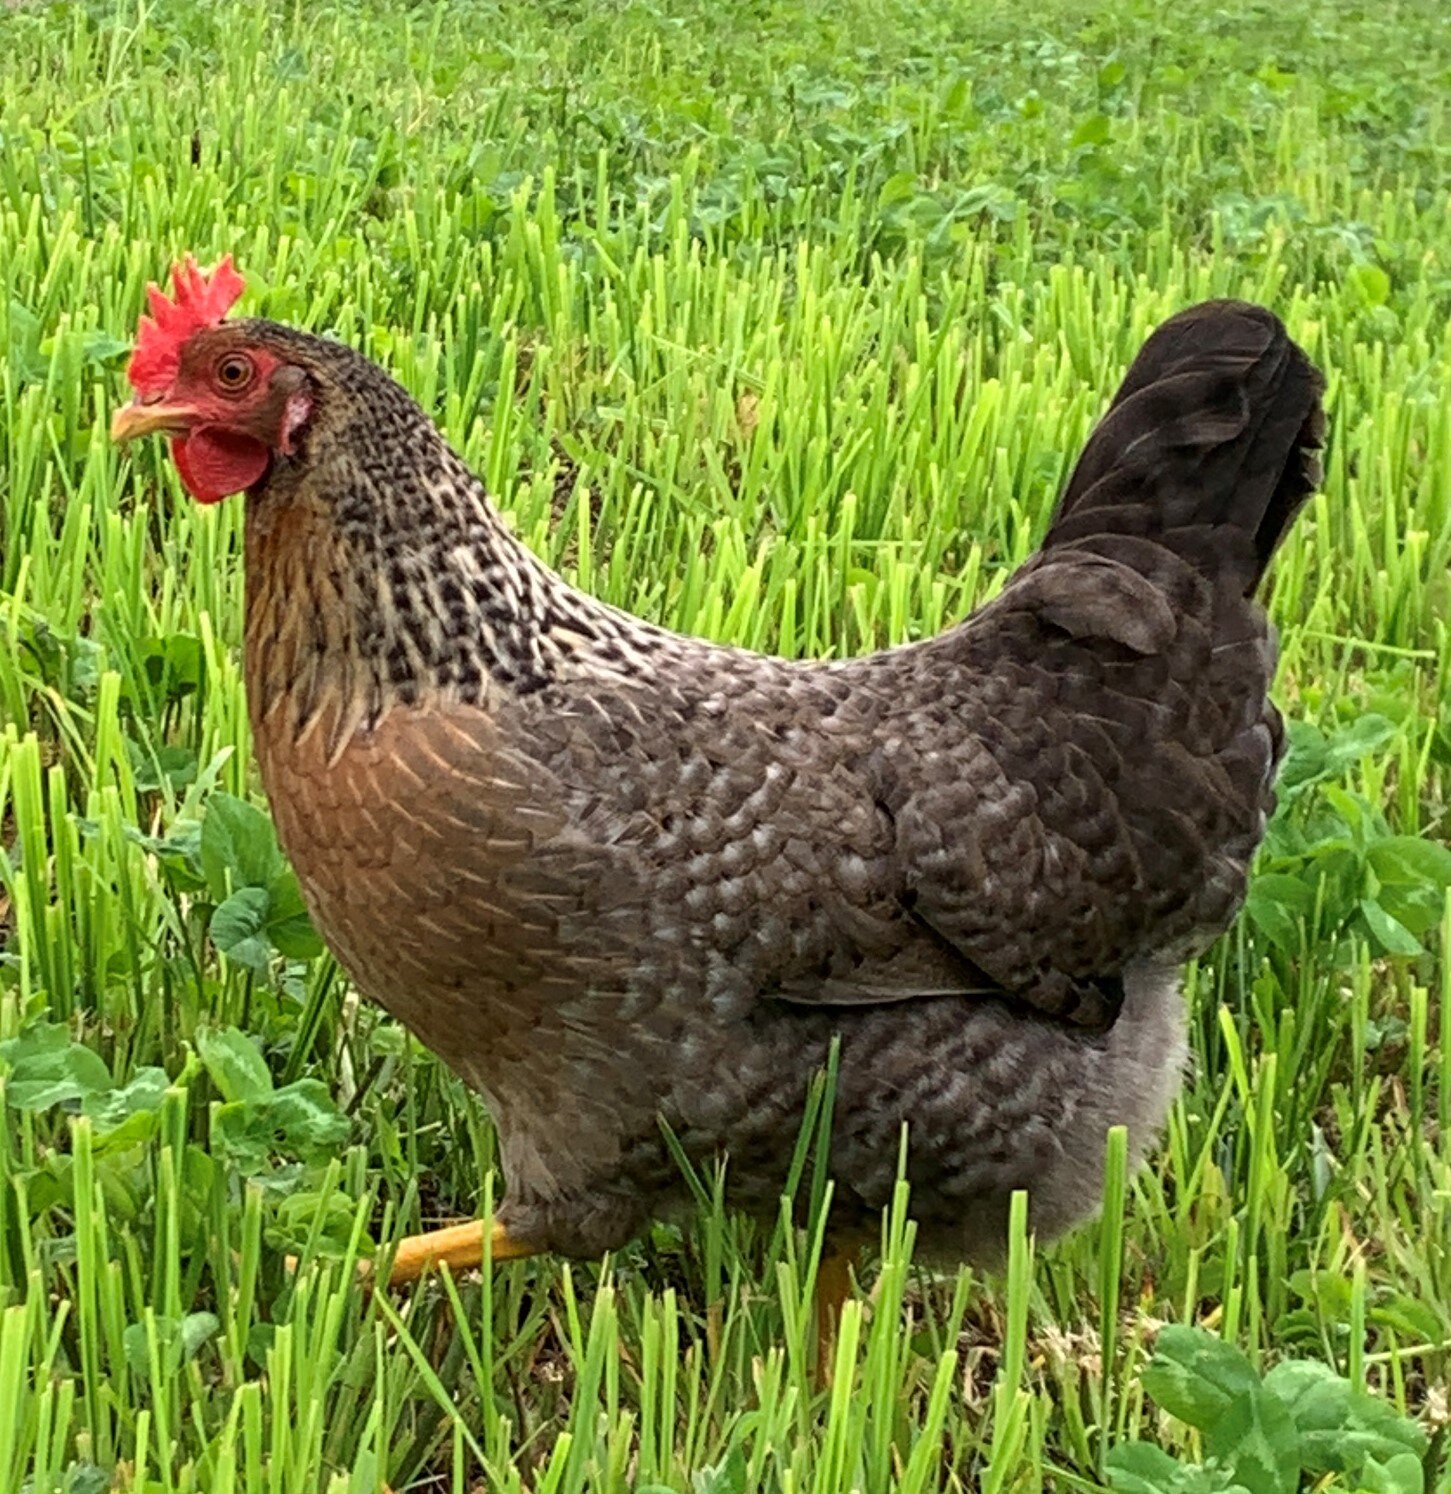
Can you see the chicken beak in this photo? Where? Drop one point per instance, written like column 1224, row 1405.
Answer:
column 138, row 419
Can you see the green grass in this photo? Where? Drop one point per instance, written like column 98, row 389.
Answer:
column 778, row 322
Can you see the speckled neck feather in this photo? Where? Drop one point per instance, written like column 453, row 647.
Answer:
column 379, row 572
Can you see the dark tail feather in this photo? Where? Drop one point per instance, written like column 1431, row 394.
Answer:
column 1209, row 450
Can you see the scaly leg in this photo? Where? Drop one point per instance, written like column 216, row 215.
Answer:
column 460, row 1247
column 833, row 1287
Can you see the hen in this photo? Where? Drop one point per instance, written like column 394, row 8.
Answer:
column 618, row 877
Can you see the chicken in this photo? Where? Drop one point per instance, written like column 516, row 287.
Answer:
column 617, row 877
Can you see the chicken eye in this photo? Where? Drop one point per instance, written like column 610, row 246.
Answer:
column 235, row 372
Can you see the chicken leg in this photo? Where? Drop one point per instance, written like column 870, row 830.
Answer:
column 833, row 1288
column 460, row 1247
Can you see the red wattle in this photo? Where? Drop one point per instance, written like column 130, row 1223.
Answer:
column 215, row 463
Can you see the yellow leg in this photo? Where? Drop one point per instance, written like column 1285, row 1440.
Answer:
column 833, row 1287
column 460, row 1247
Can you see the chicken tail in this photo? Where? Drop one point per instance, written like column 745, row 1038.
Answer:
column 1209, row 450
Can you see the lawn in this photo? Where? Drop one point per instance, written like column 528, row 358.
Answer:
column 778, row 322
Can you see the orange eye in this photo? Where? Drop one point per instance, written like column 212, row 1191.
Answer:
column 234, row 372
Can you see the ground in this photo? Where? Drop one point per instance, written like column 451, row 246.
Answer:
column 777, row 322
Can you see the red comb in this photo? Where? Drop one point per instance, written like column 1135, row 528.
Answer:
column 201, row 301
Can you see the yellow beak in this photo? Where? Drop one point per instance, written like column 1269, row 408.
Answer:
column 138, row 419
